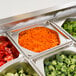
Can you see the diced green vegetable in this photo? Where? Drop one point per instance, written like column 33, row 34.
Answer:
column 70, row 27
column 9, row 74
column 60, row 65
column 23, row 69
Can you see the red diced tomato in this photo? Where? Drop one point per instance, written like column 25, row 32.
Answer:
column 8, row 58
column 14, row 52
column 2, row 62
column 7, row 50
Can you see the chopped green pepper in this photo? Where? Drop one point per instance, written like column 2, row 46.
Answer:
column 60, row 65
column 70, row 27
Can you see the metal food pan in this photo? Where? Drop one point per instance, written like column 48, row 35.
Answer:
column 6, row 35
column 70, row 19
column 14, row 35
column 7, row 24
column 61, row 22
column 61, row 16
column 68, row 48
column 16, row 64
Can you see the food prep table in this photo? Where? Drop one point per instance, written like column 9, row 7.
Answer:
column 49, row 18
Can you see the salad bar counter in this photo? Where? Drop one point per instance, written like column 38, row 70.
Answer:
column 39, row 44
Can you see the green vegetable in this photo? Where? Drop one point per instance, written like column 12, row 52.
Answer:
column 70, row 27
column 9, row 74
column 21, row 69
column 60, row 65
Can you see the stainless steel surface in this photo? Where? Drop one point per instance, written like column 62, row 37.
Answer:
column 40, row 18
column 51, row 16
column 68, row 48
column 65, row 13
column 32, row 22
column 48, row 16
column 18, row 48
column 14, row 44
column 36, row 13
column 7, row 23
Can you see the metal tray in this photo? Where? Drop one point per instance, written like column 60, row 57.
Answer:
column 68, row 48
column 38, row 21
column 20, row 53
column 23, row 21
column 15, row 64
column 14, row 36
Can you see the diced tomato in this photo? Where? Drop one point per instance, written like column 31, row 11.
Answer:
column 1, row 54
column 14, row 52
column 3, row 38
column 8, row 58
column 2, row 62
column 5, row 43
column 7, row 50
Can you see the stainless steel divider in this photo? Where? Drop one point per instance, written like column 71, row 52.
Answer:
column 52, row 50
column 62, row 30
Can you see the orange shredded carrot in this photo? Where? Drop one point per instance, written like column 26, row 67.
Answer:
column 38, row 39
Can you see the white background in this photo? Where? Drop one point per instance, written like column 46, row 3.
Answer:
column 10, row 8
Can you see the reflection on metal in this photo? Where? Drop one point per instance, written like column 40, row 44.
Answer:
column 44, row 14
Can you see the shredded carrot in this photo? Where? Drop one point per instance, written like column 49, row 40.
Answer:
column 38, row 39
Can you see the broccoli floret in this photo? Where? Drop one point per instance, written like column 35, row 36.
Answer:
column 67, row 61
column 63, row 56
column 69, row 74
column 58, row 72
column 53, row 74
column 74, row 74
column 62, row 74
column 70, row 27
column 64, row 68
column 60, row 63
column 54, row 62
column 9, row 74
column 71, row 68
column 73, row 61
column 50, row 67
